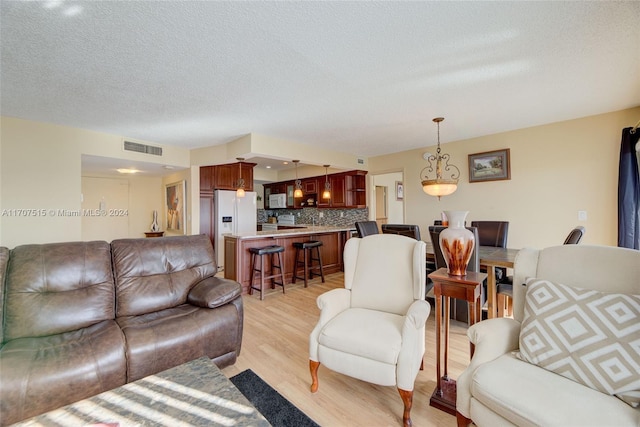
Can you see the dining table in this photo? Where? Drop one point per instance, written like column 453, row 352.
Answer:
column 490, row 258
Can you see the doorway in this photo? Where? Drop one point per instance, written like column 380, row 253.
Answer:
column 387, row 208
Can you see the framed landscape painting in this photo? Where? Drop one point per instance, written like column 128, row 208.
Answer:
column 489, row 166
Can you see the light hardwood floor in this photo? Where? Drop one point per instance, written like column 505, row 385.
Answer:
column 276, row 347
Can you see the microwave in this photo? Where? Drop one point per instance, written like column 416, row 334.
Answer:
column 277, row 201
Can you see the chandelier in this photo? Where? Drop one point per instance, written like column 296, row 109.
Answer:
column 433, row 182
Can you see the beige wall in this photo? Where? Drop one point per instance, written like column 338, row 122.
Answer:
column 41, row 172
column 556, row 170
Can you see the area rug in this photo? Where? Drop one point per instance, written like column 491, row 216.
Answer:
column 275, row 408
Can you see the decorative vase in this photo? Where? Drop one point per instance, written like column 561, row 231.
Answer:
column 456, row 243
column 154, row 224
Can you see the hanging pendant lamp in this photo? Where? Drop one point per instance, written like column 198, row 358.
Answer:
column 298, row 191
column 326, row 194
column 433, row 181
column 240, row 186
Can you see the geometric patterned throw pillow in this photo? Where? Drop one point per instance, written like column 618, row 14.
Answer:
column 590, row 337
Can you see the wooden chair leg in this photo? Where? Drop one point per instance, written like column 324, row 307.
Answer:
column 462, row 420
column 313, row 368
column 407, row 399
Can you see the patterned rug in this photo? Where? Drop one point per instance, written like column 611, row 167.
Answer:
column 275, row 408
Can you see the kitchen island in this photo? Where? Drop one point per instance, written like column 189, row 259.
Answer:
column 237, row 257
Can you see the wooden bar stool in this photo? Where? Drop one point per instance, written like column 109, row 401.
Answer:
column 261, row 252
column 307, row 261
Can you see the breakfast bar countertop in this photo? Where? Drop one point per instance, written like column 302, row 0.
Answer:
column 290, row 231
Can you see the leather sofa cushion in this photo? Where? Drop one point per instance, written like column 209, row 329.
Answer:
column 167, row 338
column 155, row 274
column 42, row 374
column 213, row 292
column 57, row 287
column 527, row 395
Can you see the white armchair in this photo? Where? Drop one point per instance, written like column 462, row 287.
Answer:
column 374, row 328
column 498, row 388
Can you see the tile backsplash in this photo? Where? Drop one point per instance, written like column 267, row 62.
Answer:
column 332, row 217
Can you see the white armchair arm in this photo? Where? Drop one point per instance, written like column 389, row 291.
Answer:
column 330, row 303
column 492, row 339
column 412, row 350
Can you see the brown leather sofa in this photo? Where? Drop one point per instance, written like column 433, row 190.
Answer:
column 81, row 318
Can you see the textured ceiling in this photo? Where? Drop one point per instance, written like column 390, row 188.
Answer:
column 359, row 77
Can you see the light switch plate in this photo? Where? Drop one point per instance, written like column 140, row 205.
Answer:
column 582, row 215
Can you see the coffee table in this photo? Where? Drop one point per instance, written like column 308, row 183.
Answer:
column 193, row 394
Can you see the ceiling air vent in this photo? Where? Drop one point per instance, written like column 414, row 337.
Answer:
column 142, row 148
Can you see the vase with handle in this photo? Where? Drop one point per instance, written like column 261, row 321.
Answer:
column 456, row 243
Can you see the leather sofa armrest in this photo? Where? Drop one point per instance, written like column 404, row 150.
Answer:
column 213, row 292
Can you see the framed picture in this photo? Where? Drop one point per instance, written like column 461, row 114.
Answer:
column 176, row 205
column 399, row 190
column 489, row 166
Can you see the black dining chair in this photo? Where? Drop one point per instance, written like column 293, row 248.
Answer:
column 366, row 228
column 459, row 308
column 408, row 230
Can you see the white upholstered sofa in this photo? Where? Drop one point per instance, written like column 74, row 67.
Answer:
column 500, row 389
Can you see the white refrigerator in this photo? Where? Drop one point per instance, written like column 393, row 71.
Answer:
column 233, row 215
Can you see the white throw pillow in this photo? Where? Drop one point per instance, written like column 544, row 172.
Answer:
column 588, row 336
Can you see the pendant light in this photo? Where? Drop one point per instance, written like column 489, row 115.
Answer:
column 240, row 187
column 298, row 191
column 436, row 184
column 326, row 194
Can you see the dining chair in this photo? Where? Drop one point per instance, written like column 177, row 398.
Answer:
column 495, row 233
column 460, row 309
column 575, row 236
column 413, row 231
column 366, row 228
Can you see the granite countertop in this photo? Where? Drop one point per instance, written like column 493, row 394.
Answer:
column 300, row 229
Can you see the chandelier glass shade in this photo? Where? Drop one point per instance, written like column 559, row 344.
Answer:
column 297, row 193
column 326, row 194
column 439, row 178
column 240, row 186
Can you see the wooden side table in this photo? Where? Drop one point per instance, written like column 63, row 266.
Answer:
column 154, row 233
column 468, row 288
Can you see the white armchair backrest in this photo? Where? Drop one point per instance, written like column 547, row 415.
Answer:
column 603, row 268
column 385, row 272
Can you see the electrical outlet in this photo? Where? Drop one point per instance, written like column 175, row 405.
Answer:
column 321, row 215
column 582, row 215
column 341, row 214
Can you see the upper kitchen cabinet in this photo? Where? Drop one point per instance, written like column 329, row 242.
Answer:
column 310, row 186
column 225, row 177
column 356, row 186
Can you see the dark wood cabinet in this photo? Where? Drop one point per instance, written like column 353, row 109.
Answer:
column 237, row 256
column 356, row 187
column 338, row 191
column 348, row 190
column 227, row 176
column 309, row 186
column 219, row 177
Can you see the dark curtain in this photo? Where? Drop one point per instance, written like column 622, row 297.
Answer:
column 629, row 191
